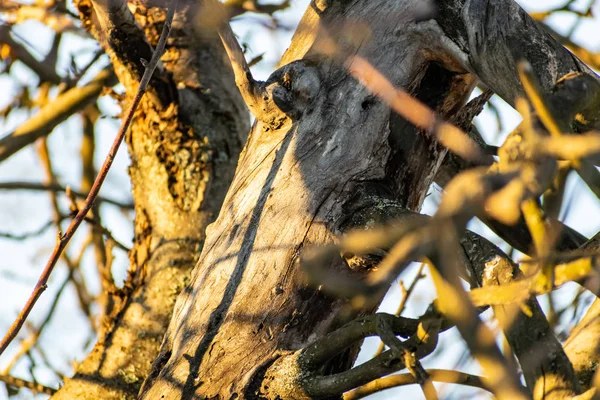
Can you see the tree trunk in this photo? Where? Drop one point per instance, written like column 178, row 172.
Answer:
column 322, row 151
column 183, row 155
column 300, row 179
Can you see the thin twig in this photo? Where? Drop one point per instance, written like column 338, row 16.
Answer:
column 405, row 295
column 27, row 235
column 96, row 226
column 22, row 383
column 64, row 240
column 437, row 375
column 54, row 187
column 28, row 343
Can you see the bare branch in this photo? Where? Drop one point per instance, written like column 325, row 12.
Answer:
column 454, row 303
column 524, row 324
column 583, row 269
column 64, row 240
column 243, row 77
column 61, row 108
column 55, row 187
column 589, row 57
column 238, row 7
column 44, row 70
column 259, row 101
column 482, row 256
column 423, row 340
column 338, row 340
column 22, row 383
column 96, row 226
column 574, row 86
column 405, row 295
column 27, row 344
column 436, row 375
column 46, row 13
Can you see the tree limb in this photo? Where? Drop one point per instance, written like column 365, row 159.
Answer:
column 476, row 26
column 531, row 338
column 22, row 383
column 541, row 354
column 238, row 7
column 44, row 70
column 127, row 43
column 281, row 378
column 52, row 114
column 436, row 375
column 582, row 345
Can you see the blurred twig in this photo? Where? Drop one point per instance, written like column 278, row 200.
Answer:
column 405, row 295
column 436, row 375
column 48, row 117
column 44, row 70
column 238, row 7
column 55, row 187
column 27, row 235
column 22, row 383
column 64, row 240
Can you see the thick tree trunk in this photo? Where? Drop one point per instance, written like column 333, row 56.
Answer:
column 183, row 155
column 299, row 181
column 330, row 150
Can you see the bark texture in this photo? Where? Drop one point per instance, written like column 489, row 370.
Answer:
column 582, row 346
column 546, row 368
column 328, row 150
column 301, row 176
column 183, row 146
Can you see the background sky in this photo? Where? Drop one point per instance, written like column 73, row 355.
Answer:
column 67, row 338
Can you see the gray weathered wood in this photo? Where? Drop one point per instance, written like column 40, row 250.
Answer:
column 304, row 171
column 294, row 187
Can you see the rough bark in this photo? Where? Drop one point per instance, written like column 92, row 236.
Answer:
column 299, row 179
column 330, row 148
column 183, row 154
column 493, row 36
column 546, row 368
column 582, row 346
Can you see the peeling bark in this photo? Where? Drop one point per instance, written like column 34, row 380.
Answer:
column 183, row 154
